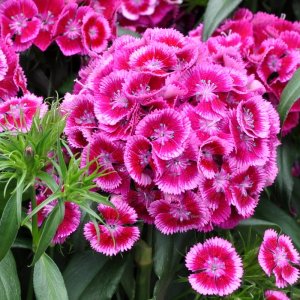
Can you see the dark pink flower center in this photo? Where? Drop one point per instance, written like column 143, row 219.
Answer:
column 245, row 185
column 215, row 267
column 248, row 141
column 93, row 32
column 176, row 165
column 248, row 117
column 162, row 134
column 72, row 29
column 144, row 157
column 18, row 23
column 220, row 181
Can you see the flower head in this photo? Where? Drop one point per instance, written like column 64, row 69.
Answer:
column 217, row 267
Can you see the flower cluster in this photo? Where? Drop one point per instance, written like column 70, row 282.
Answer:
column 76, row 29
column 187, row 142
column 267, row 46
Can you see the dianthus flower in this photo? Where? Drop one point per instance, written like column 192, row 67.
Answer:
column 278, row 256
column 216, row 266
column 117, row 234
column 276, row 295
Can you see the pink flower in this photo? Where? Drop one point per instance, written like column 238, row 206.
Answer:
column 154, row 59
column 178, row 174
column 132, row 10
column 217, row 266
column 95, row 32
column 48, row 11
column 67, row 30
column 138, row 160
column 108, row 156
column 18, row 113
column 167, row 130
column 277, row 255
column 111, row 103
column 276, row 295
column 118, row 233
column 19, row 22
column 179, row 213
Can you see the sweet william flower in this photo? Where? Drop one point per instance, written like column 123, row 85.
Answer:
column 19, row 22
column 278, row 256
column 118, row 233
column 276, row 295
column 216, row 266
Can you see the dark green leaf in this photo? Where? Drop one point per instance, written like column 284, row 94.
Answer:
column 9, row 281
column 48, row 282
column 105, row 283
column 48, row 231
column 289, row 96
column 216, row 11
column 128, row 281
column 257, row 223
column 81, row 270
column 61, row 160
column 9, row 226
column 285, row 159
column 49, row 180
column 23, row 243
column 268, row 211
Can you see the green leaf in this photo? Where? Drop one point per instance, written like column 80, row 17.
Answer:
column 61, row 160
column 81, row 270
column 48, row 282
column 105, row 283
column 9, row 281
column 289, row 96
column 268, row 211
column 286, row 156
column 216, row 11
column 123, row 31
column 48, row 231
column 49, row 180
column 258, row 223
column 168, row 253
column 9, row 226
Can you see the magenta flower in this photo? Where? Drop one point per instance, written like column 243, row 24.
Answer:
column 67, row 30
column 118, row 233
column 276, row 295
column 18, row 113
column 95, row 32
column 132, row 10
column 19, row 22
column 278, row 256
column 48, row 12
column 155, row 59
column 138, row 160
column 178, row 174
column 108, row 156
column 179, row 213
column 217, row 267
column 167, row 130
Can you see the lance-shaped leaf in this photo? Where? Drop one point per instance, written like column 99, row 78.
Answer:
column 48, row 282
column 216, row 11
column 289, row 96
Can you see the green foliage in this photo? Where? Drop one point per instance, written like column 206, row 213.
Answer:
column 47, row 280
column 216, row 12
column 9, row 281
column 289, row 96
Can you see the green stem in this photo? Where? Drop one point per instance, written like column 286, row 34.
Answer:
column 35, row 228
column 29, row 295
column 143, row 257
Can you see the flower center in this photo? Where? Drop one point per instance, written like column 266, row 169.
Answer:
column 245, row 185
column 205, row 90
column 280, row 256
column 144, row 158
column 248, row 141
column 153, row 64
column 162, row 134
column 93, row 32
column 118, row 100
column 215, row 267
column 274, row 63
column 86, row 118
column 47, row 21
column 179, row 212
column 248, row 117
column 176, row 165
column 18, row 23
column 72, row 29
